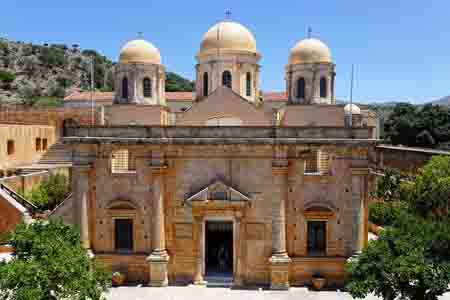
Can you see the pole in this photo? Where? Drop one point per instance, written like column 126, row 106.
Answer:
column 351, row 96
column 92, row 91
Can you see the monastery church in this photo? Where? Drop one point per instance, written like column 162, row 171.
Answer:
column 231, row 188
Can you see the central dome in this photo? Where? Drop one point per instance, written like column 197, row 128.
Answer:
column 310, row 51
column 228, row 36
column 139, row 51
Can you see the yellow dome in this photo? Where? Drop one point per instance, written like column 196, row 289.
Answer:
column 310, row 51
column 230, row 36
column 139, row 51
column 352, row 108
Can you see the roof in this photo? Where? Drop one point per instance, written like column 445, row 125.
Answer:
column 415, row 149
column 108, row 97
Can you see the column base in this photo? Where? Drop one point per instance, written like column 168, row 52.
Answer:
column 158, row 262
column 279, row 272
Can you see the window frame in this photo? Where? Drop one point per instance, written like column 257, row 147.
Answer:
column 319, row 252
column 323, row 88
column 205, row 84
column 147, row 88
column 248, row 84
column 38, row 144
column 125, row 91
column 301, row 88
column 44, row 144
column 116, row 167
column 10, row 147
column 227, row 79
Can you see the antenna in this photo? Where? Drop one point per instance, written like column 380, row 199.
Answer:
column 92, row 91
column 351, row 96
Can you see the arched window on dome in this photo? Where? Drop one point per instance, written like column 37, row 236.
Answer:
column 248, row 86
column 205, row 84
column 147, row 87
column 125, row 88
column 323, row 87
column 226, row 79
column 301, row 88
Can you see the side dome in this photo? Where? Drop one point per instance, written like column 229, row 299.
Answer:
column 310, row 51
column 229, row 36
column 139, row 51
column 352, row 108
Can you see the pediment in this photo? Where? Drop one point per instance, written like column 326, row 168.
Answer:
column 218, row 192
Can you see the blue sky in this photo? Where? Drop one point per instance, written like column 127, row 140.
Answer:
column 401, row 48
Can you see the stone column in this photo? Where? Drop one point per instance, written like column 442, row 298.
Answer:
column 80, row 188
column 198, row 240
column 238, row 279
column 359, row 208
column 279, row 262
column 158, row 259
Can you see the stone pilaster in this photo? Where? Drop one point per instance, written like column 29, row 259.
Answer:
column 81, row 194
column 238, row 279
column 279, row 261
column 158, row 259
column 360, row 207
column 198, row 236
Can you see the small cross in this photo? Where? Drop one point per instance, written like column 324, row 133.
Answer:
column 309, row 32
column 140, row 34
column 228, row 14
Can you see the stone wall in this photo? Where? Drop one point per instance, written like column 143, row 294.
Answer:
column 25, row 183
column 24, row 140
column 339, row 197
column 10, row 216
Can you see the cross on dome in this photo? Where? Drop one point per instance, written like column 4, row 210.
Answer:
column 309, row 32
column 228, row 14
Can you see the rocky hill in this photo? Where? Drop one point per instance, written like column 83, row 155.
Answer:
column 33, row 74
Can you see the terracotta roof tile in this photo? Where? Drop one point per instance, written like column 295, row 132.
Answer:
column 275, row 96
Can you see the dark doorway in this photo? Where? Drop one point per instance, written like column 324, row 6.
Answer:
column 124, row 234
column 219, row 248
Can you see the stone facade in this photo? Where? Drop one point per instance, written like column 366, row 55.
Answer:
column 167, row 200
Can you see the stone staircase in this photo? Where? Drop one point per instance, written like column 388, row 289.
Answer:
column 57, row 154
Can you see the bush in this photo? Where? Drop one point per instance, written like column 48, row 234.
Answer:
column 53, row 57
column 388, row 186
column 57, row 92
column 50, row 193
column 386, row 213
column 6, row 76
column 49, row 102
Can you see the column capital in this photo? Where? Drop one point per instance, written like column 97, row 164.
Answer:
column 82, row 168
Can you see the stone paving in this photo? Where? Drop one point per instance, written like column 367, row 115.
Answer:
column 220, row 293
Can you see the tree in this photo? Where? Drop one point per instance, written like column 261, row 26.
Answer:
column 388, row 186
column 50, row 193
column 409, row 261
column 429, row 193
column 7, row 77
column 176, row 83
column 28, row 95
column 50, row 264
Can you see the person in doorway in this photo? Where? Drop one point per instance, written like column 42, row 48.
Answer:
column 222, row 257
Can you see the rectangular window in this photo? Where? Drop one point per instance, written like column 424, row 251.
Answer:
column 317, row 238
column 44, row 144
column 311, row 164
column 10, row 149
column 123, row 161
column 38, row 144
column 123, row 234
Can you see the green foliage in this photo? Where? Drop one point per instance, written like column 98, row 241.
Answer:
column 50, row 193
column 386, row 213
column 410, row 125
column 4, row 48
column 102, row 70
column 49, row 102
column 429, row 193
column 64, row 81
column 56, row 91
column 409, row 261
column 6, row 76
column 50, row 264
column 53, row 57
column 176, row 83
column 388, row 186
column 29, row 95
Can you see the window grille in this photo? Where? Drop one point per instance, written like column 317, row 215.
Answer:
column 123, row 161
column 147, row 87
column 317, row 163
column 44, row 144
column 324, row 162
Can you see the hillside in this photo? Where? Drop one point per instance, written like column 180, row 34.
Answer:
column 443, row 101
column 33, row 74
